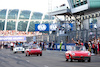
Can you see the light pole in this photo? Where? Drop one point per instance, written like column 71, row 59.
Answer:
column 95, row 26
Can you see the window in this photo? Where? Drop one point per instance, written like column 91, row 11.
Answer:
column 76, row 3
column 92, row 22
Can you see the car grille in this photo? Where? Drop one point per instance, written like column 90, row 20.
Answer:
column 81, row 57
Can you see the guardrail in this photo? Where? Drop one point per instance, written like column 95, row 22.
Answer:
column 64, row 47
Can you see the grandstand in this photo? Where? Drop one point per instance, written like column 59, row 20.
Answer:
column 20, row 22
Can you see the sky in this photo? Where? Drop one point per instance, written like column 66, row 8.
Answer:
column 33, row 5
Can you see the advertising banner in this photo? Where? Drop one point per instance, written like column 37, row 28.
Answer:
column 12, row 38
column 53, row 27
column 41, row 27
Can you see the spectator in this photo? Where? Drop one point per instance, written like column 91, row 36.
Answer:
column 98, row 46
column 82, row 43
column 49, row 45
column 42, row 43
column 53, row 45
column 93, row 47
column 11, row 46
column 0, row 45
column 89, row 48
column 61, row 44
column 45, row 46
column 86, row 45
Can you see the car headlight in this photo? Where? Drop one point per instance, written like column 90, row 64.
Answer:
column 73, row 53
column 89, row 53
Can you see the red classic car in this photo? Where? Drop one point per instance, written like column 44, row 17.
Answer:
column 33, row 50
column 78, row 53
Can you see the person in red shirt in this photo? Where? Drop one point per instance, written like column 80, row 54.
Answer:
column 82, row 43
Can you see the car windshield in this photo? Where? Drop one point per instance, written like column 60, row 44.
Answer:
column 79, row 48
column 33, row 47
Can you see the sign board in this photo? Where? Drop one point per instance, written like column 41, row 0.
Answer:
column 53, row 27
column 41, row 27
column 12, row 38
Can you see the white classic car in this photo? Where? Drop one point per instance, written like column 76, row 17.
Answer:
column 18, row 49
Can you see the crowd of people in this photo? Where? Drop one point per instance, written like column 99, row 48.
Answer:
column 44, row 46
column 41, row 44
column 19, row 33
column 93, row 45
column 10, row 44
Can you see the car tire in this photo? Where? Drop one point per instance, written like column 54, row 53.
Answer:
column 22, row 51
column 14, row 52
column 89, row 60
column 66, row 59
column 83, row 60
column 70, row 59
column 28, row 54
column 40, row 54
column 37, row 55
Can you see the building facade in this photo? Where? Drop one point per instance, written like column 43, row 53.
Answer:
column 21, row 20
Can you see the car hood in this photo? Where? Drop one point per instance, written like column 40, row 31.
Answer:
column 80, row 53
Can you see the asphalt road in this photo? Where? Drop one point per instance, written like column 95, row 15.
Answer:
column 49, row 59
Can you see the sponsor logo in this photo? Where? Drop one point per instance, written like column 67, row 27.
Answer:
column 42, row 27
column 53, row 27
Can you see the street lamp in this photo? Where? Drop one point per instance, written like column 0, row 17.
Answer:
column 95, row 26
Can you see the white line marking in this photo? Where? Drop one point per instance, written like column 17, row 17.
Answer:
column 16, row 57
column 46, row 66
column 27, row 60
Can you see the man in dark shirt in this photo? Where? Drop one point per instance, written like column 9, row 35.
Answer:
column 49, row 45
column 86, row 45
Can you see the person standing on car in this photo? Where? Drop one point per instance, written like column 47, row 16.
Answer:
column 77, row 43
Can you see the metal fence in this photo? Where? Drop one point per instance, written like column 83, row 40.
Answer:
column 45, row 38
column 83, row 35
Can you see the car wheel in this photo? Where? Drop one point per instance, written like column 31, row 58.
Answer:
column 89, row 60
column 83, row 60
column 66, row 59
column 14, row 52
column 37, row 55
column 26, row 54
column 40, row 54
column 22, row 51
column 70, row 59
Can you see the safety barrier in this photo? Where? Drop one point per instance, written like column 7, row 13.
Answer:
column 64, row 47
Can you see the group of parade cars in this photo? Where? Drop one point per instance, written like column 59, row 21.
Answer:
column 28, row 50
column 77, row 53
